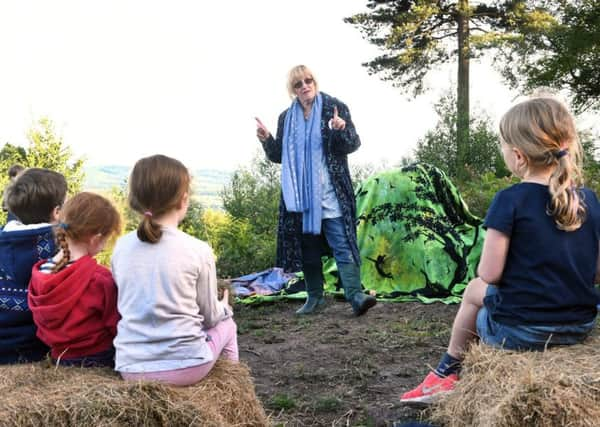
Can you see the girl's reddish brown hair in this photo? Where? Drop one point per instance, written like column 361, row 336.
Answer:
column 82, row 217
column 157, row 185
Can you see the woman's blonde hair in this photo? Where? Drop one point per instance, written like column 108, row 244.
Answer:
column 83, row 216
column 157, row 185
column 544, row 130
column 296, row 74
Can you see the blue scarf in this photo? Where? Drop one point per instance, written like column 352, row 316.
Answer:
column 301, row 164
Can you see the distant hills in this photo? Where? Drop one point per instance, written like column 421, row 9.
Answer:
column 207, row 182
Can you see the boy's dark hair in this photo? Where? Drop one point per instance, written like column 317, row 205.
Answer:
column 35, row 194
column 14, row 170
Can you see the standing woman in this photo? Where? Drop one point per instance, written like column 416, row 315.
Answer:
column 317, row 210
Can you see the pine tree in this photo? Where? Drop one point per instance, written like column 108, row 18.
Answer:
column 419, row 35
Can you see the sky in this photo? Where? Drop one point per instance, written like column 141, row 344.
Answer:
column 123, row 79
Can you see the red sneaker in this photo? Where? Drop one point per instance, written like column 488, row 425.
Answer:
column 429, row 389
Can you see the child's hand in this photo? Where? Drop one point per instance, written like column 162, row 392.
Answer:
column 225, row 300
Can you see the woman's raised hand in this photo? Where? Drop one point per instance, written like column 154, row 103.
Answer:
column 337, row 122
column 261, row 130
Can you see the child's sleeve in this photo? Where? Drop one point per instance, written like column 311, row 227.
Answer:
column 500, row 215
column 209, row 305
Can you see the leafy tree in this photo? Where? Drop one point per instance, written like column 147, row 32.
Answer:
column 215, row 221
column 564, row 55
column 251, row 200
column 241, row 250
column 591, row 164
column 193, row 223
column 439, row 146
column 13, row 154
column 45, row 150
column 419, row 35
column 253, row 194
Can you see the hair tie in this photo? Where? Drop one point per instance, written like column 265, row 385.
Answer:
column 148, row 213
column 561, row 153
column 63, row 225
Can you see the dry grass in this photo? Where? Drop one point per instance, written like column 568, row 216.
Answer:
column 558, row 387
column 43, row 395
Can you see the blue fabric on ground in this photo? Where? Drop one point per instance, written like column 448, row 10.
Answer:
column 265, row 282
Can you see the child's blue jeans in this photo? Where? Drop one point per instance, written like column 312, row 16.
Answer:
column 527, row 337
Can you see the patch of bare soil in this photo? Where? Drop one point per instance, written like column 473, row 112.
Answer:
column 334, row 369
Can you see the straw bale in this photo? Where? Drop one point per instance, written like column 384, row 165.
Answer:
column 44, row 395
column 500, row 388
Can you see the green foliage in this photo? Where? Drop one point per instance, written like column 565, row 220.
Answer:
column 253, row 194
column 247, row 243
column 130, row 218
column 241, row 250
column 561, row 52
column 591, row 165
column 282, row 402
column 47, row 150
column 13, row 154
column 439, row 145
column 193, row 223
column 417, row 36
column 327, row 404
column 479, row 190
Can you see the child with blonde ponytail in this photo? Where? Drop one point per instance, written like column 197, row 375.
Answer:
column 540, row 257
column 173, row 326
column 74, row 299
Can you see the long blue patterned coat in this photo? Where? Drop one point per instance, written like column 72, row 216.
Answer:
column 336, row 147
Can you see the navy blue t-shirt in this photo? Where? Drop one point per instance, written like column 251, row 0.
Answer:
column 548, row 278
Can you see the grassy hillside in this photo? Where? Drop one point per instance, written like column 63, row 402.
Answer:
column 207, row 182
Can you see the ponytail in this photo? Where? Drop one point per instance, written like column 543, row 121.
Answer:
column 148, row 230
column 567, row 205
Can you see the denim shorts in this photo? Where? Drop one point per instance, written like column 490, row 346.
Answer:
column 527, row 337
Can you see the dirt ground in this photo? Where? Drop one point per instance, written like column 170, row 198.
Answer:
column 334, row 369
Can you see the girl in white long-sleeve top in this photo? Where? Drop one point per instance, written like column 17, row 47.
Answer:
column 173, row 326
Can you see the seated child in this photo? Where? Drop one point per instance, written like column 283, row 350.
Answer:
column 173, row 326
column 540, row 257
column 72, row 298
column 35, row 198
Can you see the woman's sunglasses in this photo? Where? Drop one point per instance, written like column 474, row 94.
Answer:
column 307, row 81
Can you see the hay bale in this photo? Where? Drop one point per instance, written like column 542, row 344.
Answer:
column 44, row 395
column 498, row 388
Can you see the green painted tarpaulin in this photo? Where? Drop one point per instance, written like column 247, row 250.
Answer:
column 417, row 239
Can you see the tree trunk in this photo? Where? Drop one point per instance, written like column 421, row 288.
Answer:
column 462, row 98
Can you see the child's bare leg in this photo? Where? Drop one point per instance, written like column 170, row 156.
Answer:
column 464, row 326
